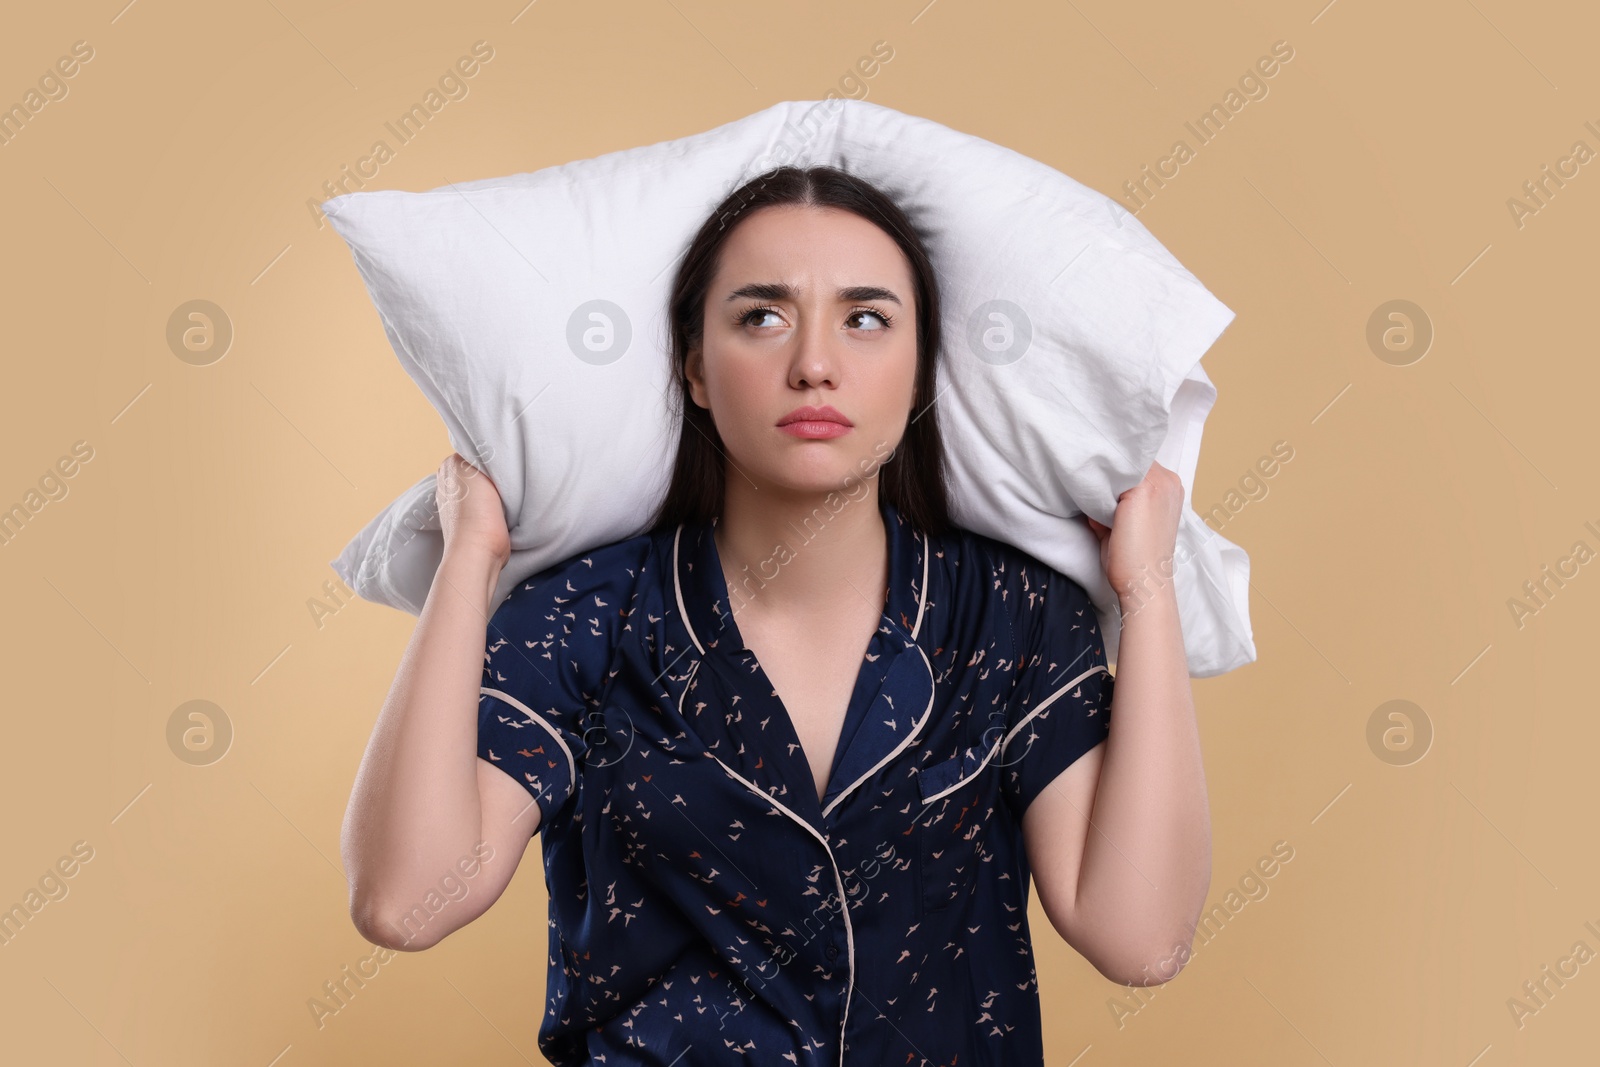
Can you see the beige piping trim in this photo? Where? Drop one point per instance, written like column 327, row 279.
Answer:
column 572, row 767
column 844, row 904
column 677, row 588
column 915, row 730
column 999, row 746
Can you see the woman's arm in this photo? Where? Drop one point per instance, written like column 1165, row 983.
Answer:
column 427, row 816
column 1120, row 842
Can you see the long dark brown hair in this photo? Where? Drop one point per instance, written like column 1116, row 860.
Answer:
column 913, row 480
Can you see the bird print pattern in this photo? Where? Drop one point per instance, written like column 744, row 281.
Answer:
column 705, row 906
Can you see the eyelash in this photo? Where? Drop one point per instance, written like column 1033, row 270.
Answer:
column 744, row 319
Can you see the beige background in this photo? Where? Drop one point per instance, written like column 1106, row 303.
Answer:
column 1419, row 499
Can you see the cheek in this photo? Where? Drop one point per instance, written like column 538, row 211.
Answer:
column 735, row 384
column 894, row 378
column 740, row 387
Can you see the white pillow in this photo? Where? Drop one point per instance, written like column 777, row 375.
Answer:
column 531, row 309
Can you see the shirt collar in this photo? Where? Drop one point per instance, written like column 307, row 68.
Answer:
column 702, row 590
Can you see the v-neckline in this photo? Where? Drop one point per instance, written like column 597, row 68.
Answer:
column 733, row 707
column 855, row 706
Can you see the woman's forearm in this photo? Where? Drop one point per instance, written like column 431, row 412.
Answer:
column 415, row 807
column 1147, row 858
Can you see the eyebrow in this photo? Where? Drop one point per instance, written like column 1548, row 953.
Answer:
column 785, row 291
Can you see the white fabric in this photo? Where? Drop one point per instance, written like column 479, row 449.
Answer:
column 485, row 291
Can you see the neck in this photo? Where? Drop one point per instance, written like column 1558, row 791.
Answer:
column 798, row 558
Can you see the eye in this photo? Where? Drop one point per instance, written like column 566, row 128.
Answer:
column 744, row 319
column 887, row 320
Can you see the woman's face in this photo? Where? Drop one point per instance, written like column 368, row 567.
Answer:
column 810, row 306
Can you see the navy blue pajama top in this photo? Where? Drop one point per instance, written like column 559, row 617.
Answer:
column 704, row 907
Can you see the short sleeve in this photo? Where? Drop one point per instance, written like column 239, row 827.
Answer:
column 1060, row 705
column 548, row 647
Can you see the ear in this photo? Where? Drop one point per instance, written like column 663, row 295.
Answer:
column 693, row 374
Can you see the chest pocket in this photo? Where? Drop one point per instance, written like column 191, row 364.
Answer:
column 956, row 805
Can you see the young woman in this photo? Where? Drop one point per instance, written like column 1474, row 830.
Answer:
column 795, row 752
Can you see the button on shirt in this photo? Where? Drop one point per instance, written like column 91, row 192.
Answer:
column 705, row 907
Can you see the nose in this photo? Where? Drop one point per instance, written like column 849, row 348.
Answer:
column 816, row 361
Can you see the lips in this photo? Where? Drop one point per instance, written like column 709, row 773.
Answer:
column 813, row 414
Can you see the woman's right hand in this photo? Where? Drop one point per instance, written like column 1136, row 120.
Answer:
column 470, row 511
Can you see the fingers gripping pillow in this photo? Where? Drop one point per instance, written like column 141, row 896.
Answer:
column 531, row 310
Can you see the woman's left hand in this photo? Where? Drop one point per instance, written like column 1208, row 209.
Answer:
column 1137, row 547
